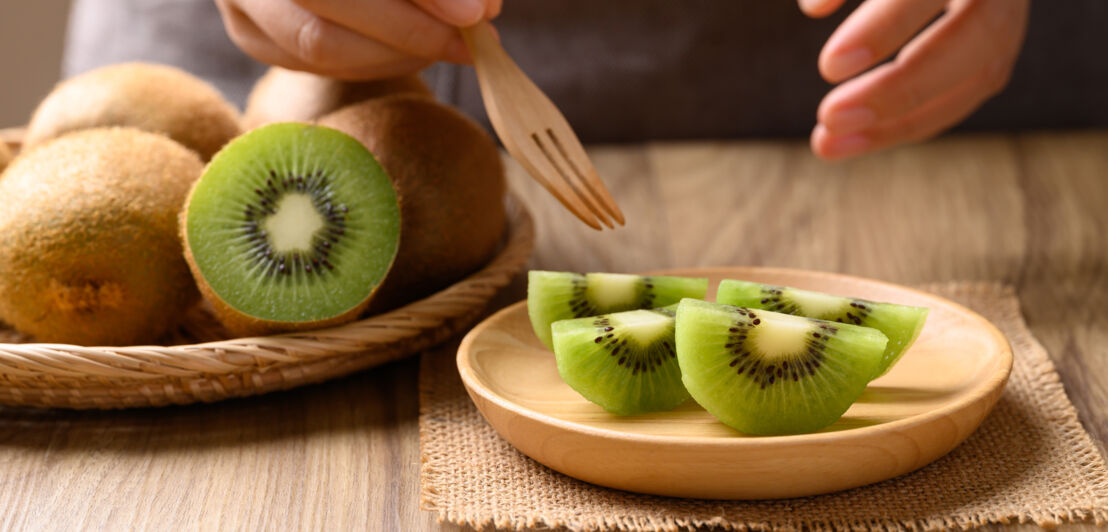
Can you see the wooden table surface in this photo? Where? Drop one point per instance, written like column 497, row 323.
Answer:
column 1030, row 210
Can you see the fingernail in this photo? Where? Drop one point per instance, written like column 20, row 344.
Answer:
column 850, row 120
column 847, row 146
column 462, row 12
column 810, row 6
column 847, row 64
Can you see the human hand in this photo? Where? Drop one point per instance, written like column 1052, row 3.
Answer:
column 364, row 39
column 939, row 76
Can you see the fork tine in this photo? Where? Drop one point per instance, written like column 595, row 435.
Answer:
column 574, row 152
column 569, row 175
column 540, row 168
column 585, row 173
column 523, row 116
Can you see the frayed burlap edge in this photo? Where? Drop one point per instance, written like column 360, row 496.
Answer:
column 1004, row 312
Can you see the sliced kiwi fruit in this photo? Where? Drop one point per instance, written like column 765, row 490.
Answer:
column 450, row 181
column 89, row 252
column 553, row 296
column 291, row 227
column 900, row 323
column 283, row 95
column 765, row 373
column 626, row 362
column 155, row 98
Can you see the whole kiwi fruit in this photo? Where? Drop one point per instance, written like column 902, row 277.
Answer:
column 155, row 98
column 89, row 252
column 283, row 95
column 450, row 183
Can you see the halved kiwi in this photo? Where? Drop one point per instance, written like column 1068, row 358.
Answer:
column 291, row 227
column 553, row 296
column 900, row 323
column 764, row 373
column 625, row 362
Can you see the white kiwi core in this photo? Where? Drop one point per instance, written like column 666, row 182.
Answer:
column 782, row 337
column 645, row 325
column 611, row 289
column 816, row 304
column 294, row 224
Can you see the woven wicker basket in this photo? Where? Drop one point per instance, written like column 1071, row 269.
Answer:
column 70, row 376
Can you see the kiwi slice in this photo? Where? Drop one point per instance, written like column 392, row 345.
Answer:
column 553, row 296
column 291, row 227
column 625, row 362
column 900, row 323
column 765, row 373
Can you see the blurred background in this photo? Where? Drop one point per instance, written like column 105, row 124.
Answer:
column 33, row 37
column 751, row 68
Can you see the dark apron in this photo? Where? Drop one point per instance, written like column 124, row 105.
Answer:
column 626, row 70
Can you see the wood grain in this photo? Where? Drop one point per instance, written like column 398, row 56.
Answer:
column 1031, row 210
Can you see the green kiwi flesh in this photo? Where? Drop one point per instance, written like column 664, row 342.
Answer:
column 553, row 296
column 901, row 324
column 291, row 226
column 626, row 362
column 766, row 373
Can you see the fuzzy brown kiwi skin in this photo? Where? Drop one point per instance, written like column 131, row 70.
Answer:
column 450, row 184
column 155, row 98
column 241, row 324
column 88, row 241
column 283, row 95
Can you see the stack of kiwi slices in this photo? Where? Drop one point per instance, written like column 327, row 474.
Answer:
column 765, row 360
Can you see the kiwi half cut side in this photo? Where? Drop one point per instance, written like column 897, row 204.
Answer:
column 291, row 227
column 553, row 296
column 901, row 324
column 625, row 362
column 766, row 373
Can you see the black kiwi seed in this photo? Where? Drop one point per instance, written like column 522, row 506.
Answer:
column 270, row 260
column 579, row 304
column 637, row 360
column 775, row 300
column 803, row 364
column 581, row 307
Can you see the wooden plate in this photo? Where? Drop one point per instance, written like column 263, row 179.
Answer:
column 930, row 402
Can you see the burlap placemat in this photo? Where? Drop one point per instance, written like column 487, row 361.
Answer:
column 1031, row 461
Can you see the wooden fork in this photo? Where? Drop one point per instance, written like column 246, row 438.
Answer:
column 535, row 132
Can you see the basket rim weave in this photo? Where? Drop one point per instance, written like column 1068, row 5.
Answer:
column 73, row 376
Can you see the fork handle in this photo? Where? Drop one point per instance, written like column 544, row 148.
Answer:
column 483, row 45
